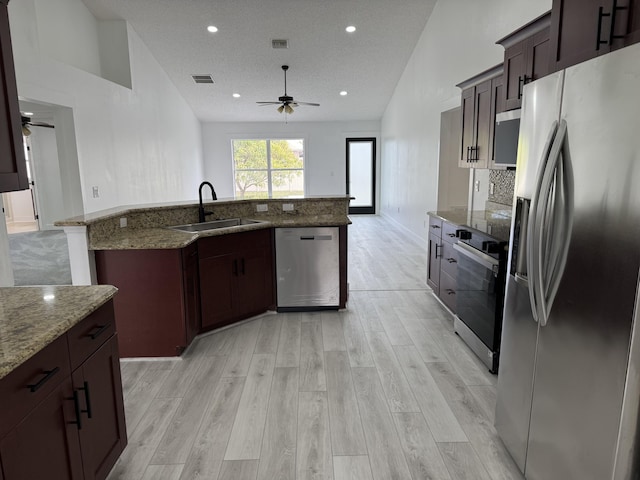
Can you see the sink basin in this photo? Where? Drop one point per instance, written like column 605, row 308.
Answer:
column 214, row 225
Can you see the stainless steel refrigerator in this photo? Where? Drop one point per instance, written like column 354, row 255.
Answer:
column 568, row 387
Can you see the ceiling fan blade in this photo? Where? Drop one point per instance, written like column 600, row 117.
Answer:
column 269, row 103
column 310, row 104
column 36, row 124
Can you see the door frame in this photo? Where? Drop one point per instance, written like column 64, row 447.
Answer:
column 370, row 209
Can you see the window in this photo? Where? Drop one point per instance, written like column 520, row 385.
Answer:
column 268, row 167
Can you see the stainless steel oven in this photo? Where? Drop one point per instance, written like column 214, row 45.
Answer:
column 480, row 295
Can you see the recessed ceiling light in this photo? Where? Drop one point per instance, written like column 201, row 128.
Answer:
column 28, row 114
column 350, row 29
column 236, row 95
column 343, row 93
column 212, row 29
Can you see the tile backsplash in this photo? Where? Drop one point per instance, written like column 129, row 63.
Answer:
column 504, row 184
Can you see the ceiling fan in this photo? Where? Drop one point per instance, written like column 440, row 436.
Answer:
column 26, row 123
column 285, row 101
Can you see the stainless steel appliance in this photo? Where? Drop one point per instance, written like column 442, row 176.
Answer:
column 506, row 138
column 308, row 268
column 480, row 294
column 568, row 394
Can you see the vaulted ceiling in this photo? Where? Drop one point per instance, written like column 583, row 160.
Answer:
column 323, row 58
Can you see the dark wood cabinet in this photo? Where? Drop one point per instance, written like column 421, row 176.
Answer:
column 526, row 58
column 63, row 412
column 236, row 276
column 584, row 29
column 45, row 444
column 497, row 106
column 434, row 254
column 103, row 434
column 13, row 168
column 156, row 308
column 478, row 119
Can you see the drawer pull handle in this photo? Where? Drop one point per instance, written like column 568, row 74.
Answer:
column 100, row 329
column 48, row 375
column 76, row 406
column 452, row 260
column 450, row 292
column 452, row 235
column 87, row 399
column 435, row 226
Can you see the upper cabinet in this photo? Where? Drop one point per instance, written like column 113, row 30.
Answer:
column 526, row 58
column 478, row 110
column 584, row 29
column 13, row 169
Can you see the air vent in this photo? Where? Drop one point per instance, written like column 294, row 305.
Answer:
column 202, row 78
column 280, row 43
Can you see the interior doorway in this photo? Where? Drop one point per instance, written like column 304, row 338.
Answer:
column 361, row 175
column 21, row 207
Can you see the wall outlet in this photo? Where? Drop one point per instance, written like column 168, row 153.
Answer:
column 477, row 185
column 287, row 207
column 492, row 187
column 123, row 222
column 96, row 193
column 263, row 207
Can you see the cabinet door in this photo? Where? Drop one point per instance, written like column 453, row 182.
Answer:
column 575, row 25
column 252, row 292
column 483, row 125
column 633, row 31
column 103, row 434
column 467, row 137
column 13, row 168
column 433, row 267
column 217, row 278
column 515, row 63
column 191, row 288
column 45, row 444
column 538, row 55
column 497, row 106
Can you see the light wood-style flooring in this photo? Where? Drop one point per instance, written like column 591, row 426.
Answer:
column 381, row 391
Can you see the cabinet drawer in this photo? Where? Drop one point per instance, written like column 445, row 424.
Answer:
column 449, row 232
column 449, row 260
column 88, row 335
column 32, row 381
column 435, row 226
column 233, row 242
column 448, row 290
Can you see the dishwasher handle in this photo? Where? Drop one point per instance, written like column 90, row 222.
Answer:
column 316, row 237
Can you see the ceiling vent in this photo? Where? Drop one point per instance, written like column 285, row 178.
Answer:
column 202, row 78
column 280, row 43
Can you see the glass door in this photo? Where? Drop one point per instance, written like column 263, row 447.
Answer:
column 361, row 174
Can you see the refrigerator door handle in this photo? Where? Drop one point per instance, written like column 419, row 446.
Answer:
column 531, row 249
column 554, row 219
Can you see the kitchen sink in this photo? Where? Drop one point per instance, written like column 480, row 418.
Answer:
column 214, row 225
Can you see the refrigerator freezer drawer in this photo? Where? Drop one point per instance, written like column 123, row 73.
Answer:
column 308, row 268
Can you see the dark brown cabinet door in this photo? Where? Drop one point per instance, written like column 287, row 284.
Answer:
column 468, row 121
column 103, row 433
column 483, row 125
column 217, row 279
column 433, row 267
column 538, row 54
column 253, row 282
column 191, row 288
column 515, row 64
column 579, row 31
column 13, row 169
column 45, row 445
column 633, row 33
column 497, row 106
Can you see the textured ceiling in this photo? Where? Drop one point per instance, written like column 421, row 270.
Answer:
column 323, row 58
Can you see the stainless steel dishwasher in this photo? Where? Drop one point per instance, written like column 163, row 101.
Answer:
column 308, row 268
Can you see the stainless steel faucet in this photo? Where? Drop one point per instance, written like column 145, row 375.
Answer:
column 202, row 213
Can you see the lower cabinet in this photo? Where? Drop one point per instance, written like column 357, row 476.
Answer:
column 63, row 415
column 157, row 306
column 433, row 267
column 442, row 269
column 236, row 276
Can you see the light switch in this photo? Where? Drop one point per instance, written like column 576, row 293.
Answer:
column 477, row 185
column 287, row 207
column 262, row 207
column 96, row 194
column 123, row 222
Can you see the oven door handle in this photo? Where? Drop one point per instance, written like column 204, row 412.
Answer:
column 477, row 256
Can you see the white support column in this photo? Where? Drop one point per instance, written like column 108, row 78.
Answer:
column 82, row 260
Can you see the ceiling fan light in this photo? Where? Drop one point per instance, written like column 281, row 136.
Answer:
column 25, row 131
column 288, row 109
column 280, row 108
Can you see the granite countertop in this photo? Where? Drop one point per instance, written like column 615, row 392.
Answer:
column 32, row 317
column 496, row 223
column 166, row 238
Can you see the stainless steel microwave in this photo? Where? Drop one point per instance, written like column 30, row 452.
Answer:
column 506, row 138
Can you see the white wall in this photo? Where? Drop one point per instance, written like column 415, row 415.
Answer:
column 325, row 150
column 457, row 43
column 137, row 145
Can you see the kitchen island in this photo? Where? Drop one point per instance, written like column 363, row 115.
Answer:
column 176, row 284
column 60, row 387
